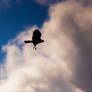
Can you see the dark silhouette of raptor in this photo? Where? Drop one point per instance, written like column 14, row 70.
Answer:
column 36, row 38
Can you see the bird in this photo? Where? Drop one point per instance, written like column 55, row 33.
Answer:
column 36, row 38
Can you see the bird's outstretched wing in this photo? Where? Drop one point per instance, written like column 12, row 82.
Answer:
column 28, row 41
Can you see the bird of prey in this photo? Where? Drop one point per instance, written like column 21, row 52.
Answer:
column 36, row 38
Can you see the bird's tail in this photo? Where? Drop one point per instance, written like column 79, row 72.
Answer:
column 28, row 41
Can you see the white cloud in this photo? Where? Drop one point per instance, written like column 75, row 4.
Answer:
column 53, row 65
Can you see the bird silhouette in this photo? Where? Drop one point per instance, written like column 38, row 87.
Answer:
column 36, row 38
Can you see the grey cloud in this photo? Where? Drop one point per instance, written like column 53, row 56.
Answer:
column 78, row 22
column 82, row 39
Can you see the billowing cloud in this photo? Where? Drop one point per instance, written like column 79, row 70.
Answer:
column 62, row 63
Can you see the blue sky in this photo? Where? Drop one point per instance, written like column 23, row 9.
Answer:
column 15, row 17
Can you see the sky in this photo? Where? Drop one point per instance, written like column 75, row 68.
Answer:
column 63, row 62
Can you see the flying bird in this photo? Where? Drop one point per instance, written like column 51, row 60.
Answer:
column 36, row 38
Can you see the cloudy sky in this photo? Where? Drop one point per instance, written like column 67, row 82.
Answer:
column 63, row 62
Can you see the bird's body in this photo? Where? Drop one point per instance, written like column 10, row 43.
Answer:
column 36, row 38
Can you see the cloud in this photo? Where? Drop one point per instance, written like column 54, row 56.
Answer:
column 40, row 70
column 62, row 63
